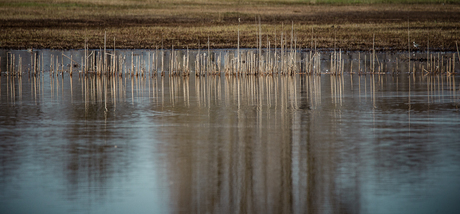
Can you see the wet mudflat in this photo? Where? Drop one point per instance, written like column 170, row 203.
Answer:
column 226, row 144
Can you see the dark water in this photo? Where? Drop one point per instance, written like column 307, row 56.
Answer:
column 275, row 144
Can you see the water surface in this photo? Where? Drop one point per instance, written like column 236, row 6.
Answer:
column 225, row 144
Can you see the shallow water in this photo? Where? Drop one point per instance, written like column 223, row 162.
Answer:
column 274, row 144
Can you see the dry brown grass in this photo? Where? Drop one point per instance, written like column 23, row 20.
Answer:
column 145, row 24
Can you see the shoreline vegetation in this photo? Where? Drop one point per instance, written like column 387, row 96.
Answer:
column 352, row 25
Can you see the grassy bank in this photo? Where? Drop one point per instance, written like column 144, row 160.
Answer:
column 342, row 24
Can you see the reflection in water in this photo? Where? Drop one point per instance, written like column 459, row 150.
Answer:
column 230, row 144
column 270, row 145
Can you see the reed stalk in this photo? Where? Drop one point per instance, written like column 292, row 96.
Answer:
column 267, row 56
column 365, row 63
column 458, row 53
column 13, row 71
column 7, row 63
column 295, row 55
column 359, row 62
column 114, row 57
column 57, row 65
column 442, row 64
column 35, row 63
column 238, row 49
column 16, row 70
column 156, row 59
column 431, row 63
column 86, row 57
column 282, row 49
column 162, row 62
column 197, row 62
column 351, row 68
column 427, row 53
column 408, row 41
column 453, row 63
column 104, row 66
column 51, row 64
column 208, row 59
column 62, row 63
column 260, row 49
column 171, row 61
column 20, row 66
column 373, row 53
column 438, row 67
column 71, row 66
column 332, row 62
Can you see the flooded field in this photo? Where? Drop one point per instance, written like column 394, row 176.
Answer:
column 361, row 133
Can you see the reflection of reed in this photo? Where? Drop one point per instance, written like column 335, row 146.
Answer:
column 252, row 143
column 337, row 84
column 106, row 90
column 259, row 92
column 248, row 155
column 241, row 165
column 280, row 92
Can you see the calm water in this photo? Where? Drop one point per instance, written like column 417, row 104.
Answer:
column 275, row 144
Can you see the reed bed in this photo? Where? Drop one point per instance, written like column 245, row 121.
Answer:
column 245, row 62
column 282, row 56
column 248, row 74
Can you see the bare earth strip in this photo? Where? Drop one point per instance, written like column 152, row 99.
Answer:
column 137, row 24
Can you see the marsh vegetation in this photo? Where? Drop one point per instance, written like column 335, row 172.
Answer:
column 320, row 106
